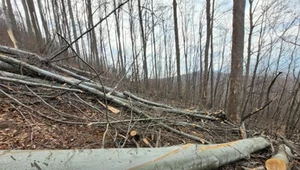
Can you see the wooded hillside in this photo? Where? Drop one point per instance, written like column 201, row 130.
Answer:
column 147, row 73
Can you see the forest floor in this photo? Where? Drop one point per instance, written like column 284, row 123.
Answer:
column 21, row 128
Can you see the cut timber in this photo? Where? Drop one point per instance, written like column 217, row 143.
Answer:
column 133, row 133
column 190, row 156
column 279, row 161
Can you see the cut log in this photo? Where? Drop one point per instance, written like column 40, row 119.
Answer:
column 279, row 161
column 189, row 156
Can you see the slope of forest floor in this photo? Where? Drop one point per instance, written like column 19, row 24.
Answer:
column 23, row 129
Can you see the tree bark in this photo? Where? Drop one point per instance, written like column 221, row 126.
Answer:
column 11, row 23
column 144, row 45
column 177, row 49
column 206, row 51
column 236, row 60
column 35, row 23
column 189, row 156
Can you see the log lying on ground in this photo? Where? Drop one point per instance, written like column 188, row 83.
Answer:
column 189, row 156
column 280, row 160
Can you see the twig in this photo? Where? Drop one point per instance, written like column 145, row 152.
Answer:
column 93, row 107
column 272, row 83
column 289, row 144
column 30, row 124
column 190, row 124
column 124, row 121
column 157, row 144
column 41, row 114
column 257, row 110
column 104, row 135
column 145, row 101
column 53, row 108
column 184, row 134
column 89, row 30
column 182, row 112
column 26, row 120
column 129, row 126
column 135, row 142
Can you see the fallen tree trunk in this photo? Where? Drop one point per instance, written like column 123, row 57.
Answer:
column 189, row 156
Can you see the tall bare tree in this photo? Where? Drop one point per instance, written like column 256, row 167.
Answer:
column 73, row 26
column 118, row 37
column 144, row 44
column 236, row 59
column 206, row 51
column 93, row 39
column 155, row 65
column 212, row 56
column 177, row 48
column 44, row 22
column 11, row 23
column 35, row 24
column 28, row 22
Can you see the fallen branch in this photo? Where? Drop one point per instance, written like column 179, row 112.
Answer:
column 289, row 144
column 185, row 134
column 123, row 121
column 257, row 110
column 39, row 84
column 182, row 112
column 39, row 113
column 146, row 101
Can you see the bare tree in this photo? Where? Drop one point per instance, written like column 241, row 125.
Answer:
column 220, row 71
column 35, row 24
column 144, row 44
column 93, row 39
column 177, row 48
column 11, row 23
column 155, row 63
column 118, row 39
column 212, row 56
column 236, row 59
column 133, row 36
column 28, row 21
column 109, row 40
column 71, row 15
column 44, row 22
column 201, row 25
column 206, row 51
column 251, row 28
